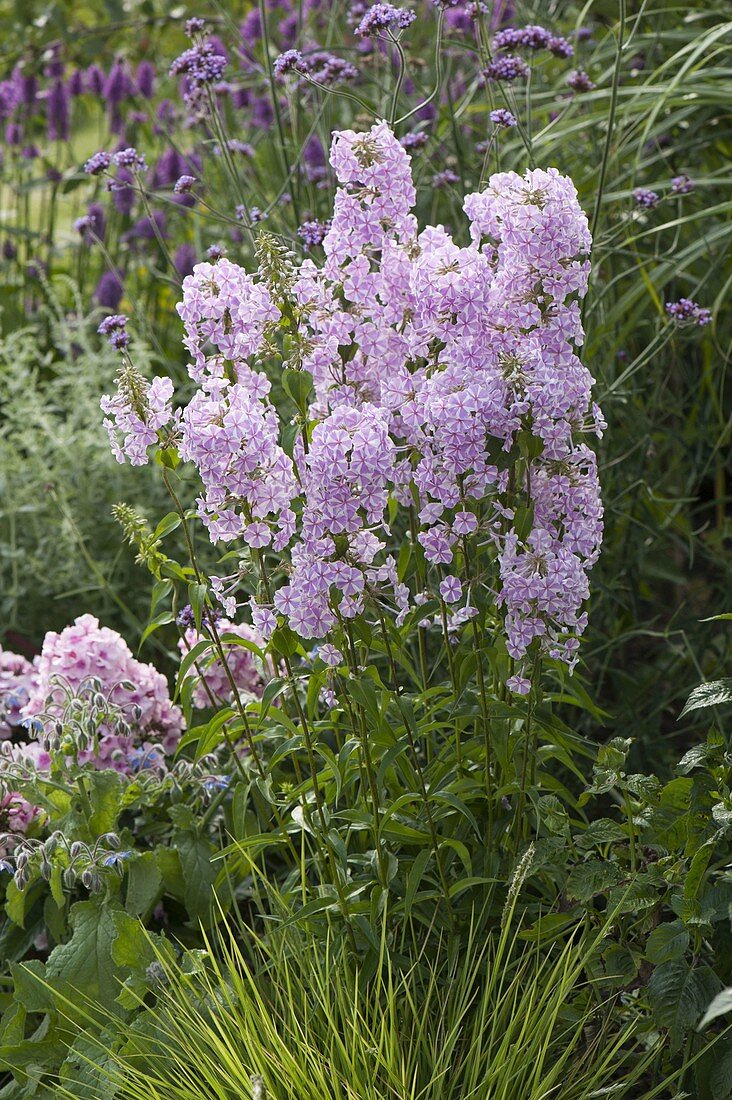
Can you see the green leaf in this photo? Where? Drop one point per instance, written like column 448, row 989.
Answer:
column 161, row 619
column 679, row 995
column 197, row 600
column 720, row 1006
column 167, row 524
column 720, row 1077
column 199, row 874
column 132, row 946
column 144, row 885
column 89, row 1069
column 198, row 650
column 104, row 795
column 714, row 694
column 594, row 876
column 29, row 980
column 602, row 831
column 667, row 943
column 298, row 384
column 168, row 862
column 414, row 878
column 85, row 963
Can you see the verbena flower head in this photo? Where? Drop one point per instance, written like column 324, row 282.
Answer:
column 129, row 158
column 506, row 68
column 579, row 81
column 184, row 184
column 686, row 310
column 98, row 163
column 287, row 62
column 201, row 65
column 646, row 198
column 681, row 185
column 383, row 17
column 503, row 118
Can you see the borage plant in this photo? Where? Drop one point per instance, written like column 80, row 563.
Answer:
column 391, row 445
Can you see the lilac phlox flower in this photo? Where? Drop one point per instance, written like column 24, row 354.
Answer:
column 137, row 411
column 451, row 589
column 330, row 655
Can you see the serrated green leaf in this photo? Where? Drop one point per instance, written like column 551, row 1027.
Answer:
column 679, row 994
column 713, row 694
column 667, row 943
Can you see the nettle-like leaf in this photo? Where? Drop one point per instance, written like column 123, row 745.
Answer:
column 714, row 694
column 595, row 876
column 667, row 943
column 679, row 994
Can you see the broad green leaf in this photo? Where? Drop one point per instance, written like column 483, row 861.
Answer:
column 594, row 876
column 720, row 1006
column 144, row 885
column 199, row 873
column 85, row 964
column 714, row 694
column 679, row 994
column 667, row 943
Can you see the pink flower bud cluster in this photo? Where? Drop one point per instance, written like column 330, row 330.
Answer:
column 86, row 651
column 16, row 680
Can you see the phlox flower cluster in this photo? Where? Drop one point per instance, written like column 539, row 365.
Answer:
column 136, row 413
column 213, row 683
column 446, row 378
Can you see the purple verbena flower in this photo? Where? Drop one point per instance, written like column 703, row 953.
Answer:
column 646, row 198
column 98, row 163
column 687, row 310
column 130, row 158
column 681, row 185
column 579, row 81
column 287, row 62
column 184, row 184
column 506, row 68
column 381, row 17
column 200, row 64
column 502, row 117
column 313, row 232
